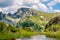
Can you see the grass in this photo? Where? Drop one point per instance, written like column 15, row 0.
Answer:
column 52, row 34
column 22, row 33
column 36, row 19
column 53, row 31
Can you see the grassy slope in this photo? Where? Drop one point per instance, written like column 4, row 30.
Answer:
column 35, row 19
column 49, row 16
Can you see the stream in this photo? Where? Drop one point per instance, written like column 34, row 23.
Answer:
column 37, row 37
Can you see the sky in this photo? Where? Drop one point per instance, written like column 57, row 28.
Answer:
column 41, row 5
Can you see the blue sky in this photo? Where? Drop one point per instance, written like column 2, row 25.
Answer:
column 57, row 6
column 42, row 5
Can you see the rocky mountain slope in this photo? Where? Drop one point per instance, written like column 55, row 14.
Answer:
column 23, row 13
column 55, row 20
column 12, row 18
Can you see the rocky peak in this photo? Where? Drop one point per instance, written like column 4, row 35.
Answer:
column 9, row 14
column 22, row 12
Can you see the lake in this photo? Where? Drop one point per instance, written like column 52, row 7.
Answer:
column 37, row 37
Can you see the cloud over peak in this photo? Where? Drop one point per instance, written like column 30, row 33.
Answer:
column 13, row 5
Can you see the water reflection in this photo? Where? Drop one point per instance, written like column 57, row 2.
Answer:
column 38, row 37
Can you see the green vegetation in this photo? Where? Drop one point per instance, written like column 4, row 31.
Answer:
column 19, row 34
column 29, row 26
column 10, row 32
column 53, row 31
column 27, row 23
column 31, row 22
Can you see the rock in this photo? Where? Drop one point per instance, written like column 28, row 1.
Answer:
column 55, row 20
column 42, row 17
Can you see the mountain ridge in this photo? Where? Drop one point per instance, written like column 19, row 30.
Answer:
column 11, row 18
column 23, row 12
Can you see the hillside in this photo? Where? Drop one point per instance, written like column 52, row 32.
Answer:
column 26, row 22
column 23, row 14
column 53, row 24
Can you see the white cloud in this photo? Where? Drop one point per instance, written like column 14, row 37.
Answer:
column 31, row 1
column 44, row 0
column 11, row 9
column 56, row 11
column 57, row 1
column 53, row 2
column 17, row 2
column 36, row 4
column 0, row 10
column 42, row 6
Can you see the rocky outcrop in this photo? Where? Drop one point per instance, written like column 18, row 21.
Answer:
column 55, row 20
column 22, row 12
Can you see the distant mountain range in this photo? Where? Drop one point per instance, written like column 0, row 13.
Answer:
column 14, row 18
